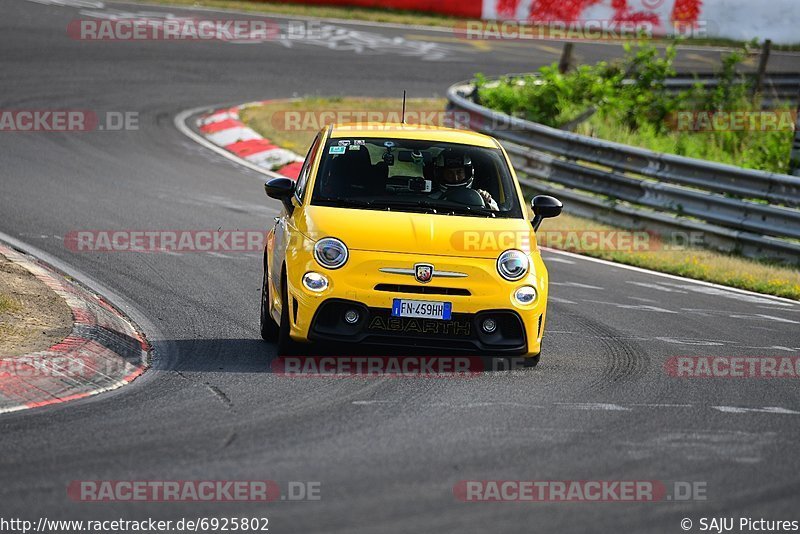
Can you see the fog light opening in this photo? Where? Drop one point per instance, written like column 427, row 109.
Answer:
column 351, row 317
column 525, row 295
column 315, row 282
column 489, row 325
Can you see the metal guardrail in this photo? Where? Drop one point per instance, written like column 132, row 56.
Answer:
column 777, row 87
column 751, row 212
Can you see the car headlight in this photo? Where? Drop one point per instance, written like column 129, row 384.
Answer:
column 512, row 265
column 315, row 282
column 330, row 253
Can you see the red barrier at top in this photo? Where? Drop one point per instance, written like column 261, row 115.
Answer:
column 457, row 8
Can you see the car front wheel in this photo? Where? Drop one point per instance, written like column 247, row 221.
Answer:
column 286, row 345
column 269, row 330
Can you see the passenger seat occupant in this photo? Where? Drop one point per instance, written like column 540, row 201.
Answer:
column 455, row 170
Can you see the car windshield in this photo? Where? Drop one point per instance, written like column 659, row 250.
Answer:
column 416, row 176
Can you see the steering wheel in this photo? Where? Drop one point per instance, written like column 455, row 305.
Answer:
column 464, row 195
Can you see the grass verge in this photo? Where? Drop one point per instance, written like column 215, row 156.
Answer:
column 8, row 304
column 696, row 263
column 32, row 316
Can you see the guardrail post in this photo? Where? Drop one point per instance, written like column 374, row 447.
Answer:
column 762, row 67
column 566, row 58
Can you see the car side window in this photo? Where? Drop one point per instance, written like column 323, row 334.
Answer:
column 305, row 171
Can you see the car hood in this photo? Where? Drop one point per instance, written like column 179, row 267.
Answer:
column 417, row 233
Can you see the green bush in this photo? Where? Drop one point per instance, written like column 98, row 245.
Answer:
column 631, row 106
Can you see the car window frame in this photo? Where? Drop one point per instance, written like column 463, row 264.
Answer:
column 512, row 192
column 305, row 170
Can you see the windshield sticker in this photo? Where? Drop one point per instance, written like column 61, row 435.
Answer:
column 344, row 142
column 355, row 147
column 360, row 142
column 337, row 150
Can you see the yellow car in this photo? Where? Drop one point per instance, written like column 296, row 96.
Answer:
column 406, row 236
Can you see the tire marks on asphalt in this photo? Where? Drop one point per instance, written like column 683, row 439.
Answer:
column 623, row 360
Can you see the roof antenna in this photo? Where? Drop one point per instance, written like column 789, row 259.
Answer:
column 404, row 107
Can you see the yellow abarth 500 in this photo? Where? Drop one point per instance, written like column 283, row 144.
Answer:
column 406, row 235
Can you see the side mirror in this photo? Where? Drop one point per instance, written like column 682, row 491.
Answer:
column 281, row 189
column 544, row 207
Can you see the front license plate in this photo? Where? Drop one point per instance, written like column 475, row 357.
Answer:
column 422, row 308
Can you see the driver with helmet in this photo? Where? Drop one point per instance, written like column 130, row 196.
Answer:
column 455, row 170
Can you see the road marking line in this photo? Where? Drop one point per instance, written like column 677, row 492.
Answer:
column 721, row 292
column 771, row 298
column 695, row 342
column 576, row 284
column 560, row 260
column 483, row 46
column 762, row 316
column 776, row 347
column 656, row 287
column 456, row 405
column 593, row 406
column 664, row 405
column 768, row 409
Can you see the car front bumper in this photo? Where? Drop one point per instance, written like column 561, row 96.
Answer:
column 361, row 286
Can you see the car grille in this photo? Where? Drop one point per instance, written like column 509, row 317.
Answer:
column 422, row 290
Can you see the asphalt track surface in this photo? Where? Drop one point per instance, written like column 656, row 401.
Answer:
column 386, row 451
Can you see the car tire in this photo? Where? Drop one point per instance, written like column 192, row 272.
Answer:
column 269, row 330
column 286, row 346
